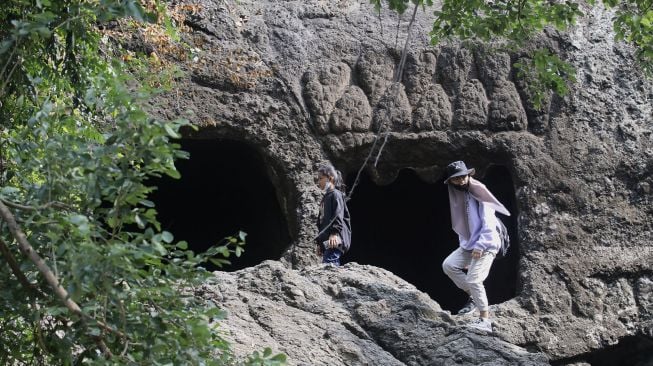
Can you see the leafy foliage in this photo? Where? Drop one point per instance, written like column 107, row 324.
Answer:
column 95, row 281
column 400, row 6
column 517, row 21
column 514, row 20
column 545, row 71
column 634, row 24
column 267, row 358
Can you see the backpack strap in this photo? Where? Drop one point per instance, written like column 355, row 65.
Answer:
column 505, row 239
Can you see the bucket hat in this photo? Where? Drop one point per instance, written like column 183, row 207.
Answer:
column 457, row 169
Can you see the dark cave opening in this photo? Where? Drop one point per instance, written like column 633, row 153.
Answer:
column 630, row 351
column 405, row 227
column 224, row 188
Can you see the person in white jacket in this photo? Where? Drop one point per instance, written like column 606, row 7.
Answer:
column 473, row 218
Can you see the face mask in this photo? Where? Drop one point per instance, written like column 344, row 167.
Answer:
column 463, row 188
column 326, row 187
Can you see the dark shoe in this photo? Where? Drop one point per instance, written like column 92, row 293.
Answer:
column 469, row 308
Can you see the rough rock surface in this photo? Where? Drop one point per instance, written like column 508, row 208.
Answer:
column 309, row 81
column 354, row 315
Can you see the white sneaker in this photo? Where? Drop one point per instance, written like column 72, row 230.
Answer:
column 483, row 324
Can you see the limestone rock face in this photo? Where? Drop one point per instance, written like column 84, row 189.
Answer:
column 306, row 81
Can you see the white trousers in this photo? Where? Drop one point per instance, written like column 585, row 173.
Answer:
column 472, row 281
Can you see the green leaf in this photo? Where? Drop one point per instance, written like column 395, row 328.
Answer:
column 146, row 203
column 167, row 237
column 78, row 219
column 279, row 358
column 135, row 10
column 5, row 46
column 219, row 262
column 159, row 249
column 111, row 140
column 182, row 245
column 171, row 132
column 8, row 191
column 647, row 19
column 139, row 221
column 173, row 174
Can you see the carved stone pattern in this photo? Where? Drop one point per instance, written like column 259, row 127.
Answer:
column 352, row 112
column 374, row 75
column 433, row 111
column 322, row 88
column 338, row 106
column 471, row 107
column 393, row 110
column 453, row 69
column 506, row 110
column 419, row 76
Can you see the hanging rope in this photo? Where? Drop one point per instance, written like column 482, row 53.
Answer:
column 382, row 128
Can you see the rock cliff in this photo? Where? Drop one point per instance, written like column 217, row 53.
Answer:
column 311, row 81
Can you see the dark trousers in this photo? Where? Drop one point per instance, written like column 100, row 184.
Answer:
column 332, row 256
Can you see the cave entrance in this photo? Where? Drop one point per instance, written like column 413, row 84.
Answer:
column 224, row 188
column 405, row 227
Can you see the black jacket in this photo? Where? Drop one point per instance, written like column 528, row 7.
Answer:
column 334, row 219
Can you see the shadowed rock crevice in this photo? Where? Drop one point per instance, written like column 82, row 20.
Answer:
column 224, row 188
column 629, row 351
column 405, row 227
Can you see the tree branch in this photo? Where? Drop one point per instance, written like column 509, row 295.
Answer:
column 7, row 80
column 33, row 208
column 404, row 52
column 4, row 68
column 27, row 249
column 15, row 268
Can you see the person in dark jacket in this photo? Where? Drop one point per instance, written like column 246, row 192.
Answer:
column 333, row 222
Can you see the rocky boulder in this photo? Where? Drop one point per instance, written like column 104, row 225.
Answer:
column 353, row 315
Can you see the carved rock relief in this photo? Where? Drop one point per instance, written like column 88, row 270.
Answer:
column 453, row 69
column 506, row 111
column 393, row 111
column 375, row 74
column 471, row 107
column 322, row 88
column 352, row 112
column 418, row 75
column 492, row 67
column 456, row 88
column 433, row 111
